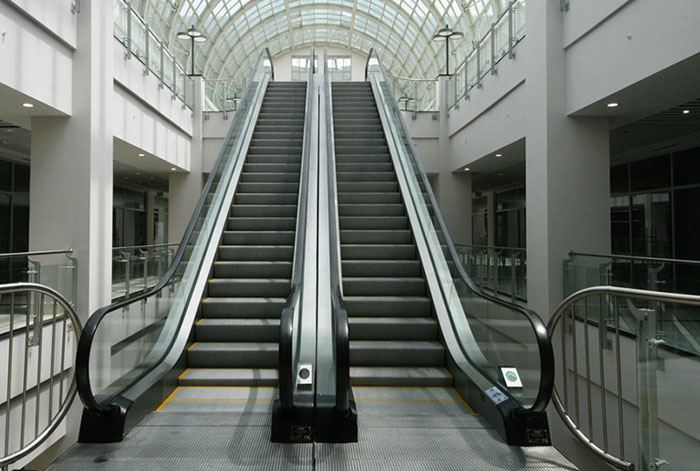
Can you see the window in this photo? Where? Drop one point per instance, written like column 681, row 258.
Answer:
column 300, row 68
column 340, row 68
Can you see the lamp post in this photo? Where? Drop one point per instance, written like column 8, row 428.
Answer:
column 446, row 34
column 194, row 35
column 405, row 99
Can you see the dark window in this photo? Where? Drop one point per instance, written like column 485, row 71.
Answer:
column 619, row 180
column 651, row 173
column 686, row 167
column 5, row 176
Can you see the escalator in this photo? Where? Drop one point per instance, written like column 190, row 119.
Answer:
column 235, row 340
column 393, row 335
column 426, row 346
column 205, row 338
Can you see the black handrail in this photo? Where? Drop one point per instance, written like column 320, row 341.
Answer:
column 90, row 330
column 286, row 341
column 544, row 343
column 340, row 313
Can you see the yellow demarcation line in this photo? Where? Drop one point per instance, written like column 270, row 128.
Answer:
column 464, row 403
column 182, row 375
column 167, row 399
column 198, row 321
column 192, row 346
column 408, row 399
column 219, row 399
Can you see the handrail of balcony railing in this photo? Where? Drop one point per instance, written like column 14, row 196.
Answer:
column 606, row 299
column 182, row 89
column 36, row 253
column 635, row 258
column 49, row 383
column 457, row 90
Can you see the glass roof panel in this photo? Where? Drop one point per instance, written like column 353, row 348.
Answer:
column 401, row 30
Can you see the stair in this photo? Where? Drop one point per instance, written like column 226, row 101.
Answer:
column 236, row 338
column 394, row 339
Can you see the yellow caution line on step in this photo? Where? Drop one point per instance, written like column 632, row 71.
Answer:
column 167, row 399
column 219, row 399
column 192, row 346
column 464, row 403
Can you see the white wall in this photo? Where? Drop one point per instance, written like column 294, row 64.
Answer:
column 637, row 41
column 55, row 16
column 35, row 65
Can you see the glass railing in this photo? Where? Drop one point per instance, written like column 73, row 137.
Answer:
column 489, row 333
column 128, row 346
column 138, row 268
column 416, row 95
column 140, row 42
column 496, row 44
column 500, row 270
column 625, row 390
column 583, row 271
column 55, row 269
column 223, row 94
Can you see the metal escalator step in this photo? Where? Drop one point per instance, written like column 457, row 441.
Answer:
column 272, row 150
column 261, row 224
column 378, row 251
column 271, row 168
column 358, row 149
column 373, row 222
column 356, row 268
column 395, row 328
column 256, row 252
column 383, row 286
column 255, row 177
column 363, row 158
column 258, row 237
column 371, row 198
column 265, row 198
column 237, row 330
column 396, row 353
column 400, row 376
column 367, row 187
column 229, row 377
column 263, row 210
column 232, row 355
column 242, row 307
column 274, row 159
column 365, row 167
column 375, row 237
column 371, row 210
column 249, row 287
column 255, row 269
column 391, row 306
column 269, row 187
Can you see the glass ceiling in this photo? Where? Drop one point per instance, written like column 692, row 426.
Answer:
column 401, row 30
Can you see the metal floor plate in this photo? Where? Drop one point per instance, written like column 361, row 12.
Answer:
column 228, row 428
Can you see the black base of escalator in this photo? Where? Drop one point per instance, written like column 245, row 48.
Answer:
column 292, row 426
column 105, row 427
column 334, row 426
column 314, row 424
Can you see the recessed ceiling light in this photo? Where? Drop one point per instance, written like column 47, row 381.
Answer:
column 499, row 155
column 28, row 105
column 141, row 154
column 173, row 169
column 686, row 111
column 613, row 105
column 466, row 169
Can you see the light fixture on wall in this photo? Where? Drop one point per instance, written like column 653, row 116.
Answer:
column 466, row 169
column 28, row 105
column 686, row 111
column 613, row 105
column 499, row 155
column 141, row 154
column 193, row 35
column 447, row 34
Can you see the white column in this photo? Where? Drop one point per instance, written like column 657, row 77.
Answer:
column 71, row 176
column 567, row 166
column 71, row 165
column 185, row 188
column 567, row 184
column 454, row 188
